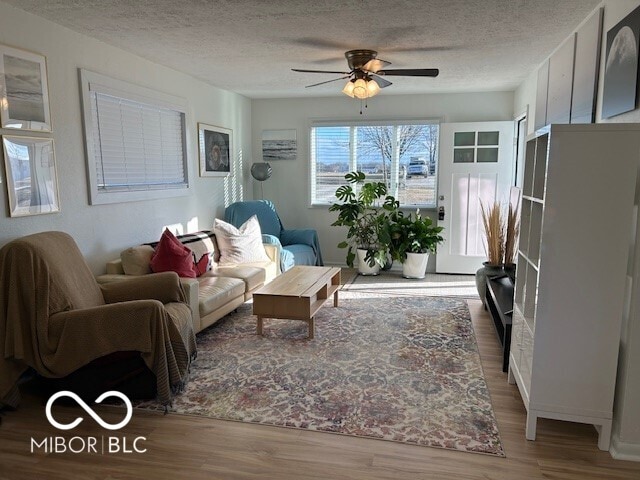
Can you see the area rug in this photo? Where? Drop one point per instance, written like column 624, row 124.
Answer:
column 404, row 369
column 391, row 283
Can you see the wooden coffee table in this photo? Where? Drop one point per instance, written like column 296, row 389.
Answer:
column 297, row 294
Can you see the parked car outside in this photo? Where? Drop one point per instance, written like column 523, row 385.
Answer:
column 418, row 166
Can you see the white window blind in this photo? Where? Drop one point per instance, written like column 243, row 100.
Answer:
column 331, row 160
column 137, row 146
column 136, row 141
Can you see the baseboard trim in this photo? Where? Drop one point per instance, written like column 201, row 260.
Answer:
column 624, row 451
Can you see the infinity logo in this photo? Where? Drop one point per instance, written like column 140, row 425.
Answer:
column 89, row 410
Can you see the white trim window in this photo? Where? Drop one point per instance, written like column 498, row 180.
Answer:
column 404, row 155
column 135, row 140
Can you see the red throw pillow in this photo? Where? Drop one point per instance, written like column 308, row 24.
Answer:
column 201, row 265
column 172, row 256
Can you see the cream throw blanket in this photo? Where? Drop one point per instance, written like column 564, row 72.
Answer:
column 55, row 318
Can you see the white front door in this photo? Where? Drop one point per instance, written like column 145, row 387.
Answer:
column 475, row 164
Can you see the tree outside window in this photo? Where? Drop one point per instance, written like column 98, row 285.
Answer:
column 387, row 153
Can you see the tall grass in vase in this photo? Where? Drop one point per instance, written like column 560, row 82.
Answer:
column 494, row 234
column 512, row 230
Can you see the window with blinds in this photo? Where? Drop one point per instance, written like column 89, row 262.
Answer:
column 135, row 142
column 403, row 155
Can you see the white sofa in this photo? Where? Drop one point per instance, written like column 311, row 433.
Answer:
column 212, row 295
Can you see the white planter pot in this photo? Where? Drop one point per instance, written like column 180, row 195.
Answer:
column 415, row 265
column 363, row 266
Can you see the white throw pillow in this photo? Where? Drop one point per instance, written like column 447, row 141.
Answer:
column 240, row 245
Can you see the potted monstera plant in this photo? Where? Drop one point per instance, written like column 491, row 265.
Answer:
column 412, row 240
column 365, row 209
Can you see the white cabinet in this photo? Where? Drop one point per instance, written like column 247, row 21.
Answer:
column 576, row 220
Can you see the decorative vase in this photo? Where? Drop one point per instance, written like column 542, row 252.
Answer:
column 510, row 269
column 363, row 265
column 487, row 270
column 415, row 265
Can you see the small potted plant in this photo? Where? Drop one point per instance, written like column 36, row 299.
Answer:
column 412, row 240
column 366, row 215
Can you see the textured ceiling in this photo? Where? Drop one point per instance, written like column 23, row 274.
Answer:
column 249, row 46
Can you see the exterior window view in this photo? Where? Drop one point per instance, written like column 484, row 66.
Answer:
column 404, row 157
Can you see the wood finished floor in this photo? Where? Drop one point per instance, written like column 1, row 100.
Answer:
column 189, row 447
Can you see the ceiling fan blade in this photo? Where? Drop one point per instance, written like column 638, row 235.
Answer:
column 375, row 64
column 328, row 81
column 316, row 42
column 380, row 81
column 411, row 72
column 320, row 71
column 417, row 49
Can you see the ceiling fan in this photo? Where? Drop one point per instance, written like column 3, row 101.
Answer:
column 366, row 72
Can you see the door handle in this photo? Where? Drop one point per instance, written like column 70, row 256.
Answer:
column 441, row 213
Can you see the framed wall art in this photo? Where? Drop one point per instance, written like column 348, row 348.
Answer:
column 560, row 82
column 279, row 145
column 32, row 183
column 24, row 94
column 542, row 91
column 621, row 66
column 214, row 144
column 585, row 70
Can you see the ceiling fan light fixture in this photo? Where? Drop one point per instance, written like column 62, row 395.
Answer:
column 360, row 89
column 372, row 88
column 348, row 89
column 366, row 73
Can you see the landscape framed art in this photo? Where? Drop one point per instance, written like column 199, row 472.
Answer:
column 279, row 145
column 24, row 93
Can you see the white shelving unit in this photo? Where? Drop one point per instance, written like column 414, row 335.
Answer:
column 577, row 203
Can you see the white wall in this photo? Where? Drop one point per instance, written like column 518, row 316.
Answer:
column 103, row 231
column 524, row 100
column 626, row 434
column 288, row 187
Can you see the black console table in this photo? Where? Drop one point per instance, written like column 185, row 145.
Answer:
column 499, row 302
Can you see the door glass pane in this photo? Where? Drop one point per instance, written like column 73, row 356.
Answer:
column 487, row 155
column 418, row 156
column 488, row 138
column 464, row 139
column 463, row 155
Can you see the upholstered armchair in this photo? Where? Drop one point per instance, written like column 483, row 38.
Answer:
column 298, row 246
column 56, row 319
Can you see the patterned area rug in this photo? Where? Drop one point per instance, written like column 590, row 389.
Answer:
column 405, row 369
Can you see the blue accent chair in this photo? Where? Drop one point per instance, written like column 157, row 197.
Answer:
column 297, row 247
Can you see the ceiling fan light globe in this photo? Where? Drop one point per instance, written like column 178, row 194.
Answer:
column 360, row 89
column 348, row 89
column 372, row 88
